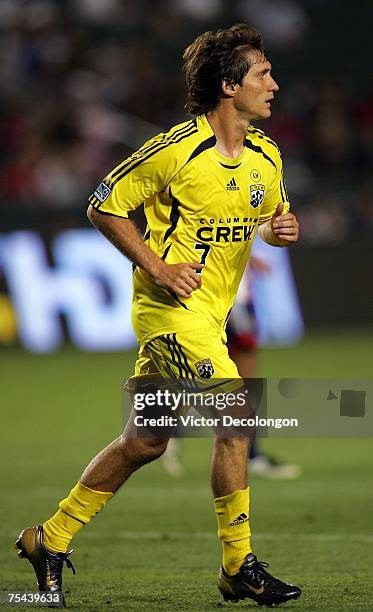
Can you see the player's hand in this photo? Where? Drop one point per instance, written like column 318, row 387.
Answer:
column 181, row 278
column 284, row 227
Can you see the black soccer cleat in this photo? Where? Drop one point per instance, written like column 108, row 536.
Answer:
column 253, row 582
column 47, row 565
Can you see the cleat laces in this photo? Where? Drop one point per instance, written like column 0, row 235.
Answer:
column 258, row 570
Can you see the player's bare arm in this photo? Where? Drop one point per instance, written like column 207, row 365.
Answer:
column 181, row 278
column 281, row 230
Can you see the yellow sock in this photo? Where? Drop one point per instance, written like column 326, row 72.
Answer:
column 74, row 512
column 232, row 513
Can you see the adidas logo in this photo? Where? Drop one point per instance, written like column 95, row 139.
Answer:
column 232, row 185
column 243, row 518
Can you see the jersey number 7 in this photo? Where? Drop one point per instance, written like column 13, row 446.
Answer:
column 205, row 248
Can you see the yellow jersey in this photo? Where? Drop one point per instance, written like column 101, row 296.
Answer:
column 199, row 206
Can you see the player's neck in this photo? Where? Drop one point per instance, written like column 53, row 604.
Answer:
column 230, row 130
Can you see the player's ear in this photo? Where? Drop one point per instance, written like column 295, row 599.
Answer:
column 229, row 88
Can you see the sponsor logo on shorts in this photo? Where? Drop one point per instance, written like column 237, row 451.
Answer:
column 102, row 192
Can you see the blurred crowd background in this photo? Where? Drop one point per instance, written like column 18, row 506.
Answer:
column 85, row 82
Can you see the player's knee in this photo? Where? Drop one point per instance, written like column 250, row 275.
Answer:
column 151, row 450
column 154, row 448
column 143, row 450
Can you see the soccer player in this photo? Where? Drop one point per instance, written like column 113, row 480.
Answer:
column 207, row 186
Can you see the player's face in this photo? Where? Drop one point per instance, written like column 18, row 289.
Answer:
column 254, row 96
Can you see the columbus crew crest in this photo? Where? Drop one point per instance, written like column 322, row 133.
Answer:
column 256, row 195
column 205, row 368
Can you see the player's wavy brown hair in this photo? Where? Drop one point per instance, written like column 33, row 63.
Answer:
column 214, row 57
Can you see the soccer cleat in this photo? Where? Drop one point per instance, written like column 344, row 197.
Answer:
column 47, row 565
column 254, row 582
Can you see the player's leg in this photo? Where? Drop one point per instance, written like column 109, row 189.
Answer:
column 204, row 359
column 46, row 546
column 103, row 476
column 241, row 575
column 231, row 497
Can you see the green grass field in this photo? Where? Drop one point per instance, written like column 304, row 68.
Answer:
column 154, row 547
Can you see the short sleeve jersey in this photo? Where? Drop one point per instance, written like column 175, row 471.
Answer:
column 199, row 206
